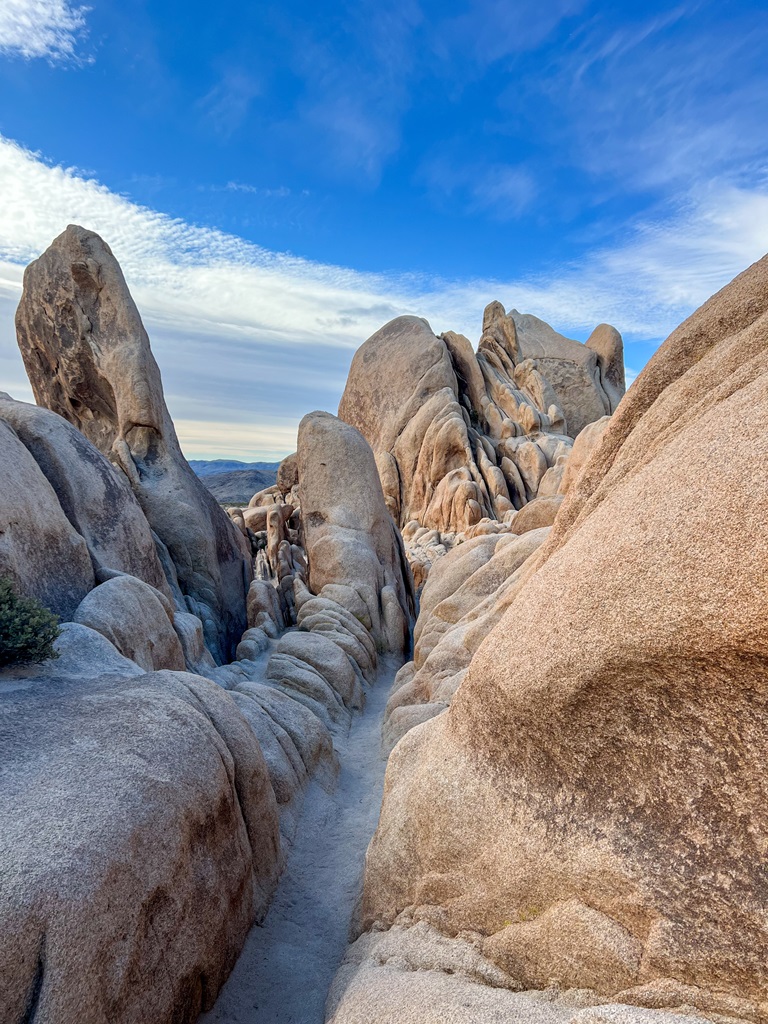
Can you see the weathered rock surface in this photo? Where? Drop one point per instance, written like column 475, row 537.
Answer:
column 98, row 501
column 139, row 843
column 464, row 597
column 82, row 654
column 414, row 975
column 461, row 436
column 133, row 617
column 536, row 514
column 347, row 589
column 39, row 548
column 88, row 358
column 593, row 805
column 354, row 550
column 588, row 380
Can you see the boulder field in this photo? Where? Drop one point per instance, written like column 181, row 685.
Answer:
column 571, row 582
column 153, row 773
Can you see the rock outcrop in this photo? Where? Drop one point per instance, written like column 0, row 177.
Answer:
column 88, row 358
column 354, row 550
column 136, row 620
column 139, row 843
column 330, row 561
column 592, row 806
column 40, row 550
column 148, row 805
column 98, row 502
column 464, row 597
column 462, row 436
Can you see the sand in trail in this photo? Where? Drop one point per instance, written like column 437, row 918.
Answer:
column 286, row 968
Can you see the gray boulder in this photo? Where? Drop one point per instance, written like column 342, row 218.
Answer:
column 139, row 844
column 133, row 617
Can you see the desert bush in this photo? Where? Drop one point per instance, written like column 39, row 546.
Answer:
column 27, row 629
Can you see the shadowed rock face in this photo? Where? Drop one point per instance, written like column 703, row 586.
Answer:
column 88, row 358
column 461, row 436
column 40, row 550
column 593, row 805
column 97, row 501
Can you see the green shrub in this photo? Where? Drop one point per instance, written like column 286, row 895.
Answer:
column 27, row 628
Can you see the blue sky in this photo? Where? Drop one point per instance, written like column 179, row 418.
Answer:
column 280, row 179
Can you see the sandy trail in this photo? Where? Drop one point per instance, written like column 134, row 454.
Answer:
column 286, row 968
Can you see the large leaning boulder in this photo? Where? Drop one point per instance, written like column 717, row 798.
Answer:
column 593, row 806
column 139, row 844
column 88, row 358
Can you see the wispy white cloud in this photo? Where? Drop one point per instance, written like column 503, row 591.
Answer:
column 503, row 191
column 249, row 340
column 356, row 83
column 657, row 102
column 491, row 29
column 40, row 28
column 281, row 192
column 227, row 105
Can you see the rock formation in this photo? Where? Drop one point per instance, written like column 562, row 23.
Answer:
column 355, row 551
column 42, row 553
column 574, row 822
column 139, row 842
column 348, row 590
column 98, row 502
column 590, row 813
column 88, row 358
column 149, row 807
column 461, row 436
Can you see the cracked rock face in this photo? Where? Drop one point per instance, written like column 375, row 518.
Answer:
column 593, row 803
column 88, row 358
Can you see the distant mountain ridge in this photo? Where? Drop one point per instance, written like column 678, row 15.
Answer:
column 207, row 467
column 232, row 482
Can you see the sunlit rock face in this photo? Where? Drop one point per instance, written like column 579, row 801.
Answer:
column 474, row 445
column 461, row 435
column 88, row 358
column 591, row 809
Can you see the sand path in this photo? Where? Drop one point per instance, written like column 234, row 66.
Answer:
column 286, row 968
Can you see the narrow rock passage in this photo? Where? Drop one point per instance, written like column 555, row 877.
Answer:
column 286, row 968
